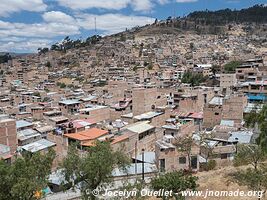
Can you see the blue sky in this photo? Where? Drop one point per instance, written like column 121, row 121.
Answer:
column 26, row 25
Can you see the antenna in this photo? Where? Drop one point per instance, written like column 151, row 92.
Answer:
column 95, row 24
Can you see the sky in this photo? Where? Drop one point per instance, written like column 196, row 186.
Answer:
column 26, row 25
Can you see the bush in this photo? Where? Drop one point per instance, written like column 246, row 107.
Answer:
column 210, row 165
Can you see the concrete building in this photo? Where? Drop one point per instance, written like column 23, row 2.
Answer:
column 146, row 99
column 168, row 158
column 227, row 83
column 212, row 114
column 8, row 133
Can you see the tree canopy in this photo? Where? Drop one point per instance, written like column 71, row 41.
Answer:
column 176, row 181
column 260, row 119
column 27, row 176
column 193, row 79
column 231, row 66
column 94, row 168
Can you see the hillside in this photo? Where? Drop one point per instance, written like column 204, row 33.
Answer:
column 253, row 21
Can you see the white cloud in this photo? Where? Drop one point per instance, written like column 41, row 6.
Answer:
column 29, row 45
column 112, row 23
column 186, row 1
column 41, row 30
column 87, row 4
column 58, row 17
column 137, row 5
column 142, row 5
column 162, row 2
column 12, row 6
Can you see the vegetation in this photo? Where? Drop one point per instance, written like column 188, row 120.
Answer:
column 5, row 58
column 210, row 165
column 231, row 66
column 48, row 64
column 249, row 155
column 193, row 79
column 255, row 177
column 61, row 85
column 37, row 94
column 257, row 14
column 94, row 168
column 177, row 181
column 259, row 119
column 185, row 145
column 26, row 177
column 67, row 43
column 43, row 50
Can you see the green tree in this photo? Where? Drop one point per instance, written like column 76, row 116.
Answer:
column 48, row 64
column 259, row 119
column 231, row 66
column 185, row 145
column 255, row 180
column 176, row 181
column 94, row 168
column 254, row 177
column 26, row 176
column 249, row 154
column 193, row 79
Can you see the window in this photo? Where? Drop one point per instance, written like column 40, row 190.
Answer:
column 194, row 162
column 216, row 113
column 182, row 160
column 224, row 156
column 162, row 165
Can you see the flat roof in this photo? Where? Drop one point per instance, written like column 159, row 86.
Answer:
column 22, row 124
column 130, row 170
column 38, row 145
column 59, row 118
column 44, row 129
column 69, row 101
column 147, row 115
column 4, row 149
column 140, row 127
column 242, row 137
column 27, row 134
column 216, row 101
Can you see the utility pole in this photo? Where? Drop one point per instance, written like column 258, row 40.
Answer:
column 95, row 24
column 143, row 165
column 135, row 161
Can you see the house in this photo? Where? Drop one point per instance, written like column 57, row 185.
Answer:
column 169, row 158
column 23, row 124
column 5, row 153
column 212, row 113
column 41, row 145
column 45, row 130
column 69, row 106
column 220, row 150
column 85, row 138
column 8, row 132
column 27, row 136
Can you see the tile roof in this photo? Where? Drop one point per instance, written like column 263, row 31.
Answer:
column 120, row 138
column 90, row 134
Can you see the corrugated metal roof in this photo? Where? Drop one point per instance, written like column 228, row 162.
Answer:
column 242, row 137
column 38, row 145
column 216, row 101
column 22, row 124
